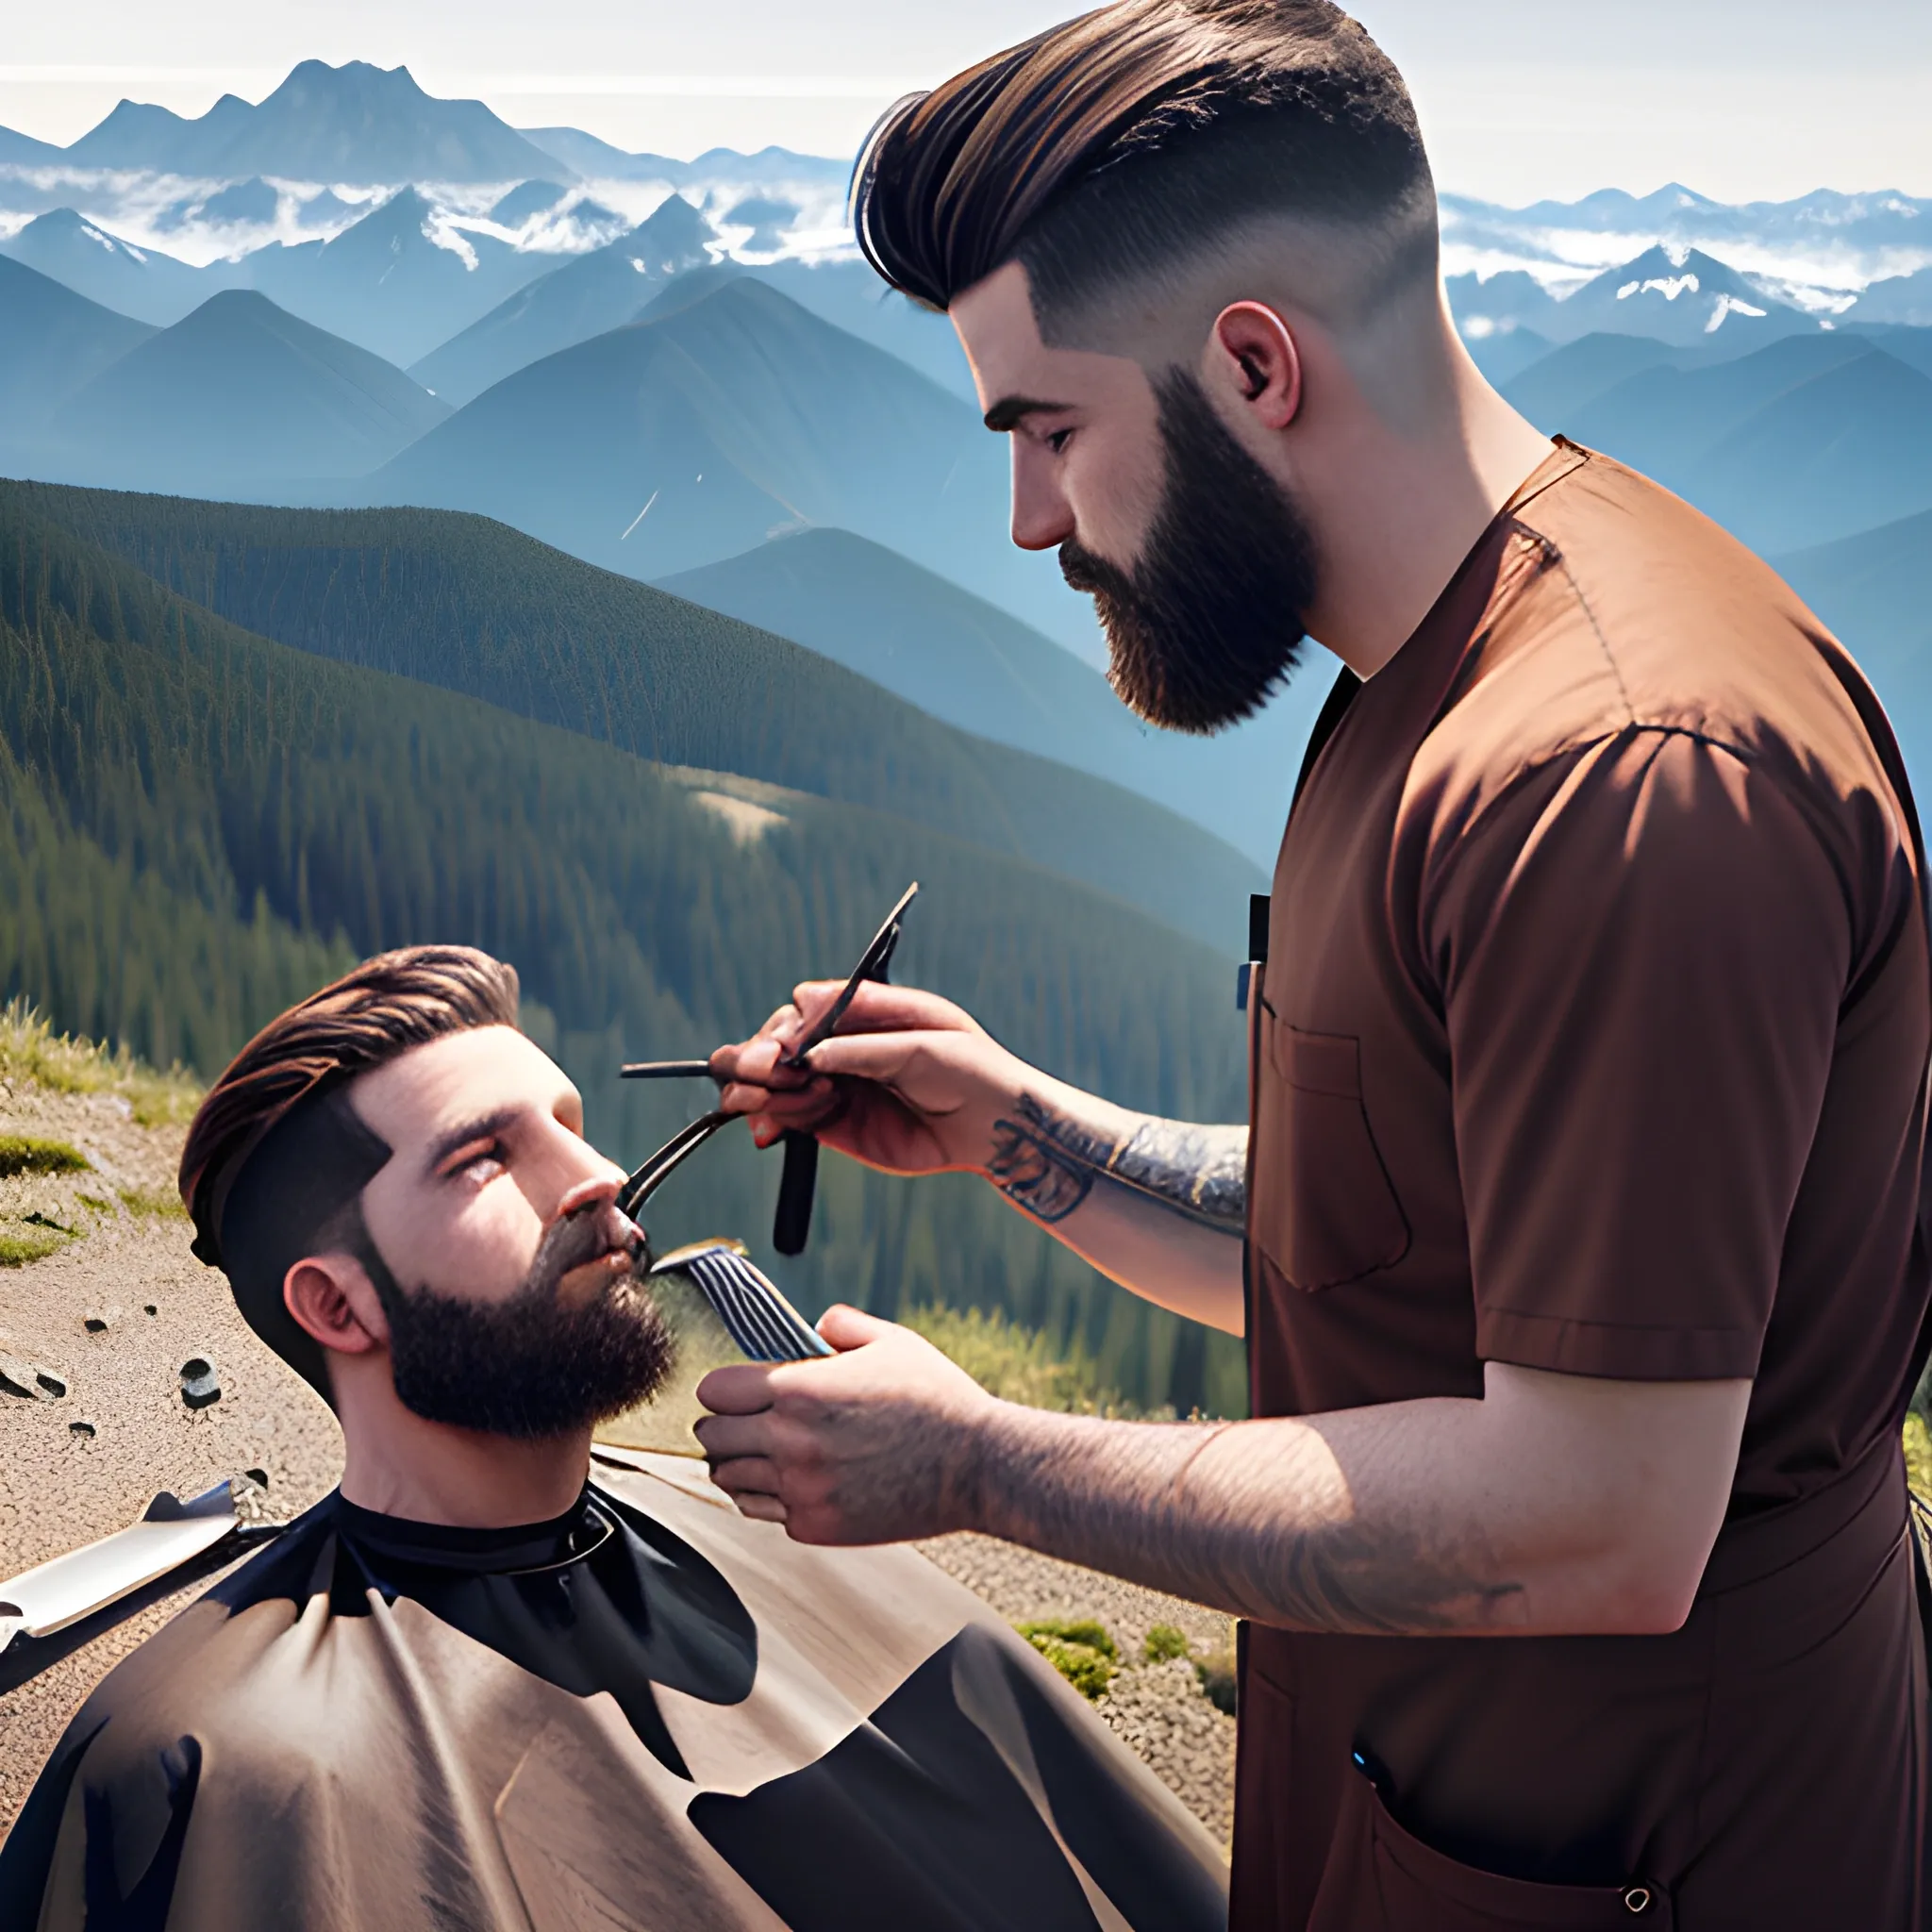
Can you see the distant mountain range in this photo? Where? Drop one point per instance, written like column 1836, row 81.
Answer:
column 771, row 167
column 727, row 414
column 1819, row 249
column 350, row 123
column 1808, row 439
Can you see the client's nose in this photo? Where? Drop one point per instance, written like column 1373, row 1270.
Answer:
column 590, row 1192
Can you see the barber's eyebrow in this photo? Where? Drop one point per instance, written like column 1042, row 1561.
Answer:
column 1009, row 411
column 483, row 1127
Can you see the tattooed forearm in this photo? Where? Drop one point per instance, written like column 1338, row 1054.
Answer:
column 1047, row 1163
column 1262, row 1524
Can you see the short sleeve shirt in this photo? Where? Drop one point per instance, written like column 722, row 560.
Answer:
column 1595, row 1025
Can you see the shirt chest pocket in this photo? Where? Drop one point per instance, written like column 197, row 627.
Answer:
column 1325, row 1210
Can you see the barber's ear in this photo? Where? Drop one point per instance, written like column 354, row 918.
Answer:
column 332, row 1299
column 1253, row 354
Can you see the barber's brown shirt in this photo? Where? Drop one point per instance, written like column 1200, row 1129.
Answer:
column 1593, row 1038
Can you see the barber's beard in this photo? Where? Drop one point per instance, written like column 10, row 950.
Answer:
column 529, row 1367
column 1205, row 626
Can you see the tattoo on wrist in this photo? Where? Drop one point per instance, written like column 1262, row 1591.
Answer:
column 1047, row 1163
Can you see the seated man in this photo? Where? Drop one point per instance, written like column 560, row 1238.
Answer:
column 476, row 1687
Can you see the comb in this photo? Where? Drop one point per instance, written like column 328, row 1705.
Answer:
column 755, row 1316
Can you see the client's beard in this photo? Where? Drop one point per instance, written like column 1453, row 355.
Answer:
column 1210, row 620
column 529, row 1367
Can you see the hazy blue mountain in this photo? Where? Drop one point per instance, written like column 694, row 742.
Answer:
column 727, row 413
column 1897, row 298
column 253, row 202
column 526, row 199
column 1912, row 346
column 599, row 159
column 1809, row 439
column 390, row 283
column 1553, row 391
column 351, row 124
column 850, row 296
column 238, row 397
column 24, row 151
column 592, row 293
column 140, row 282
column 52, row 343
column 766, row 217
column 1514, row 299
column 589, row 295
column 967, row 662
column 1874, row 589
column 1503, row 355
column 1687, row 298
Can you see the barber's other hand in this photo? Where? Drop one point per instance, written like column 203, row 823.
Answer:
column 911, row 1083
column 878, row 1445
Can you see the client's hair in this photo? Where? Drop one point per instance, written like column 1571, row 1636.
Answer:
column 275, row 1156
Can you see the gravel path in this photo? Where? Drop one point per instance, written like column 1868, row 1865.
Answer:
column 86, row 1462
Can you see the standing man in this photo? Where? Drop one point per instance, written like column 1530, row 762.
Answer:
column 1575, row 1231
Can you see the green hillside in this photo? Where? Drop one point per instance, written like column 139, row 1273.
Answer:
column 460, row 602
column 197, row 824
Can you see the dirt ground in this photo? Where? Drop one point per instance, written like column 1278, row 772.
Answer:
column 95, row 1421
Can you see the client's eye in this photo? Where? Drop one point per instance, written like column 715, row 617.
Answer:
column 478, row 1164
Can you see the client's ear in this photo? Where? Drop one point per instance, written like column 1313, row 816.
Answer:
column 332, row 1299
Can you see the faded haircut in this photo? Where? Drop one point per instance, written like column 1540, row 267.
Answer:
column 1118, row 146
column 275, row 1160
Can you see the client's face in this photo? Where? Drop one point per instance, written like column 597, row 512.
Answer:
column 515, row 1292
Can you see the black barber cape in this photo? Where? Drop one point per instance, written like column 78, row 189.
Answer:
column 650, row 1713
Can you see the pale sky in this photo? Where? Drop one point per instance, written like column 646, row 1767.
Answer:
column 1521, row 99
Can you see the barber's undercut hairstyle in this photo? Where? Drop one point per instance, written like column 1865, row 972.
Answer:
column 1117, row 146
column 276, row 1159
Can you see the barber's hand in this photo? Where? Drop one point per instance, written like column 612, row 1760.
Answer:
column 878, row 1445
column 911, row 1083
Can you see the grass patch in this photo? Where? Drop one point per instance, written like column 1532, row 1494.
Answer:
column 1084, row 1631
column 162, row 1204
column 31, row 1051
column 1217, row 1675
column 1082, row 1651
column 1021, row 1365
column 1164, row 1643
column 21, row 1244
column 1919, row 1453
column 29, row 1154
